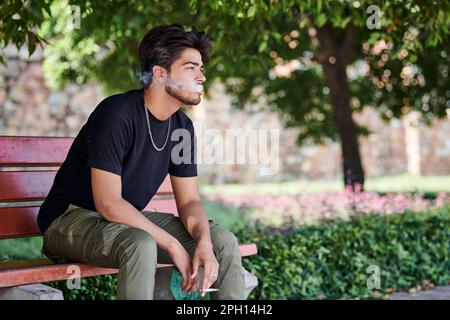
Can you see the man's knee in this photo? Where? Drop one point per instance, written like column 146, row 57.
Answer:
column 224, row 242
column 137, row 243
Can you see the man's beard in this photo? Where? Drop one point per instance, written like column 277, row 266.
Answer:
column 176, row 91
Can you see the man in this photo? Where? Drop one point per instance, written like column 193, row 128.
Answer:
column 93, row 212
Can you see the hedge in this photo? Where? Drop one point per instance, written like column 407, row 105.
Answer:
column 331, row 260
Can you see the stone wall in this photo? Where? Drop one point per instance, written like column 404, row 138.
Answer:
column 29, row 107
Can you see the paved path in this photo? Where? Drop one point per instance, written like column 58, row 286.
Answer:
column 437, row 293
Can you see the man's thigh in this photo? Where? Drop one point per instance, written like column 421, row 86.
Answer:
column 82, row 235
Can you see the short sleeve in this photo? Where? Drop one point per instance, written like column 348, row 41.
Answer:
column 183, row 157
column 108, row 140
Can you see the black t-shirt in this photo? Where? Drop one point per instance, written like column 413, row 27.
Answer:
column 115, row 138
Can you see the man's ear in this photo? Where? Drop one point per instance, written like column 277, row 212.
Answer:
column 159, row 73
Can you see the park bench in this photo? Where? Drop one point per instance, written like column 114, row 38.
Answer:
column 27, row 168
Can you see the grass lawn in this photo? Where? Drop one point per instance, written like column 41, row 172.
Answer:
column 21, row 248
column 396, row 183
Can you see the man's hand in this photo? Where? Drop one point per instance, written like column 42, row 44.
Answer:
column 195, row 220
column 183, row 262
column 204, row 256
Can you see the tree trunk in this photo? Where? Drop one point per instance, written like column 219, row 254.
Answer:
column 334, row 55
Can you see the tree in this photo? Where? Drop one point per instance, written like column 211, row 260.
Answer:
column 315, row 62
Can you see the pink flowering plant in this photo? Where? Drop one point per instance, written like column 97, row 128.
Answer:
column 316, row 207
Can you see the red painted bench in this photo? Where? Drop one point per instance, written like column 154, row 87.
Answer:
column 19, row 184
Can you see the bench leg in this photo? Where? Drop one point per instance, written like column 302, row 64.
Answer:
column 31, row 292
column 251, row 282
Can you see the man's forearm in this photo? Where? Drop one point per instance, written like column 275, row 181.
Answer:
column 121, row 211
column 195, row 220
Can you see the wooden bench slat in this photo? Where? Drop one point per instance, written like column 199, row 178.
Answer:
column 25, row 185
column 163, row 205
column 18, row 222
column 165, row 187
column 39, row 274
column 33, row 151
column 35, row 185
column 44, row 270
column 248, row 249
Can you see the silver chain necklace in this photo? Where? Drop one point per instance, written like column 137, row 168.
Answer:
column 150, row 130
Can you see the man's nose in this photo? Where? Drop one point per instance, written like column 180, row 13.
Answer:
column 201, row 78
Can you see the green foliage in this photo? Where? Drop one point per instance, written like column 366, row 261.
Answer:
column 250, row 38
column 92, row 288
column 330, row 261
column 19, row 22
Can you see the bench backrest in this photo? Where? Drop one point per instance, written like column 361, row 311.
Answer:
column 28, row 166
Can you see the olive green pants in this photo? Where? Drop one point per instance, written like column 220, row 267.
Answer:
column 81, row 235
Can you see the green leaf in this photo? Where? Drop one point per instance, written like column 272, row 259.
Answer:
column 31, row 43
column 262, row 46
column 251, row 11
column 320, row 20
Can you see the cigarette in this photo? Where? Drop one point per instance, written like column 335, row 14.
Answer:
column 211, row 290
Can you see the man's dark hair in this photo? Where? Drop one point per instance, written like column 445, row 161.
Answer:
column 163, row 45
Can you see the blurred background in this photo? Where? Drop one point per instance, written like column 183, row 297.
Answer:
column 358, row 92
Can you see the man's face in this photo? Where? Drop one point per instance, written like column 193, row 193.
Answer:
column 185, row 73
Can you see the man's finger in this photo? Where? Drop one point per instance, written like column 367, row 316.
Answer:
column 195, row 266
column 192, row 283
column 185, row 276
column 212, row 275
column 205, row 280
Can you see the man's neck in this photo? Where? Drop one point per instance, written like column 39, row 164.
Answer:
column 161, row 105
